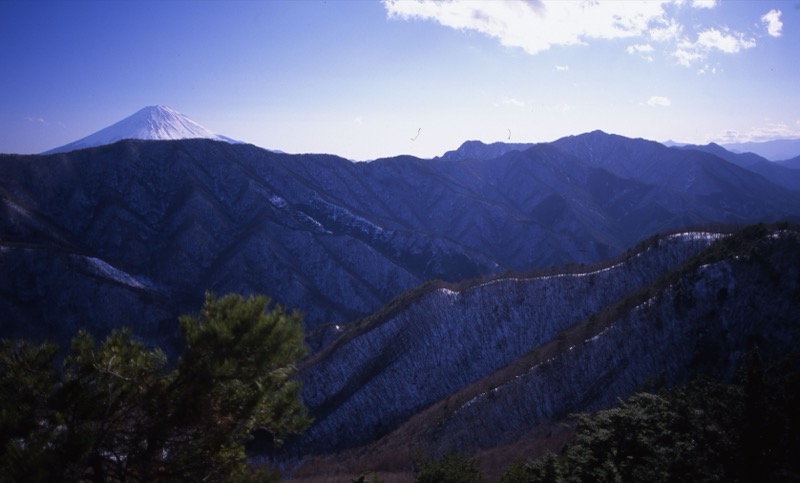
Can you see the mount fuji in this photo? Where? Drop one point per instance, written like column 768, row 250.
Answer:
column 150, row 123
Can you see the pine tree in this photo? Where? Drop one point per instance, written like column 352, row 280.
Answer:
column 236, row 375
column 118, row 412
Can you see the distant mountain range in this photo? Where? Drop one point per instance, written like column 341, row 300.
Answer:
column 775, row 150
column 163, row 123
column 443, row 284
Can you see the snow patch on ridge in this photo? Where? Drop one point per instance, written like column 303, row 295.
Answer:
column 103, row 269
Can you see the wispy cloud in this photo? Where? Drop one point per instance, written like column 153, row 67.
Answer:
column 562, row 68
column 772, row 20
column 643, row 50
column 688, row 52
column 707, row 69
column 37, row 120
column 559, row 108
column 767, row 132
column 509, row 101
column 658, row 101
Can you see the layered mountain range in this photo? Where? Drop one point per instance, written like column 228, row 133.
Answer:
column 408, row 271
column 148, row 226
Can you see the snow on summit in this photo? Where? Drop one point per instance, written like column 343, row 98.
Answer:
column 150, row 123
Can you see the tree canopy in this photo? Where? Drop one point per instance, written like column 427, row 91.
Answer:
column 705, row 431
column 450, row 468
column 119, row 410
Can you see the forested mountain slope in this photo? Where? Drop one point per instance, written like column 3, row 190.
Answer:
column 135, row 232
column 443, row 340
column 488, row 365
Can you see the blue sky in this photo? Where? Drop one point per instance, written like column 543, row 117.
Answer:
column 362, row 78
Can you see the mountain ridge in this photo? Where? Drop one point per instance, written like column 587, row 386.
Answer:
column 484, row 340
column 694, row 318
column 774, row 150
column 188, row 215
column 158, row 122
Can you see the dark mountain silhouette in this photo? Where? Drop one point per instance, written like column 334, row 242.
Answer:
column 479, row 150
column 744, row 160
column 793, row 163
column 779, row 172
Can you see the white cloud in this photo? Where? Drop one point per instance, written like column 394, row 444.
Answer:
column 658, row 101
column 562, row 68
column 728, row 43
column 668, row 30
column 537, row 25
column 687, row 55
column 639, row 49
column 707, row 69
column 358, row 120
column 704, row 3
column 643, row 50
column 651, row 26
column 772, row 20
column 689, row 52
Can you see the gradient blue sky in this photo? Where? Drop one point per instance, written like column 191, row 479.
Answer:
column 360, row 78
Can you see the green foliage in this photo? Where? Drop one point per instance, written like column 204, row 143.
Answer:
column 517, row 473
column 452, row 468
column 116, row 412
column 108, row 401
column 236, row 375
column 705, row 431
column 27, row 426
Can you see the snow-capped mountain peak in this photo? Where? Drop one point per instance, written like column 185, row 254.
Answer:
column 150, row 123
